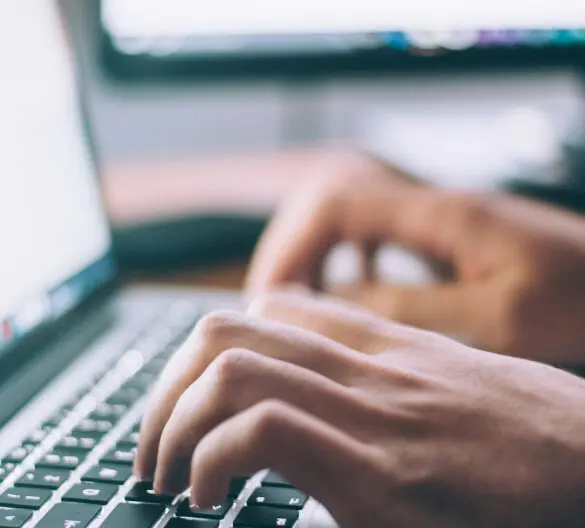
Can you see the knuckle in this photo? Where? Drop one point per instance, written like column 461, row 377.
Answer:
column 269, row 303
column 217, row 325
column 329, row 199
column 341, row 168
column 182, row 407
column 467, row 207
column 233, row 367
column 455, row 205
column 269, row 421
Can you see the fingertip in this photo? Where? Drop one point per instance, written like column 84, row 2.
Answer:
column 143, row 468
column 207, row 496
column 171, row 480
column 140, row 474
column 164, row 487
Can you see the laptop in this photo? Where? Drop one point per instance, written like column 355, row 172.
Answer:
column 78, row 353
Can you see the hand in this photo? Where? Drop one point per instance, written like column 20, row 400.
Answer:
column 314, row 219
column 517, row 268
column 368, row 416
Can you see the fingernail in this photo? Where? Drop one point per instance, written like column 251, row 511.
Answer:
column 194, row 506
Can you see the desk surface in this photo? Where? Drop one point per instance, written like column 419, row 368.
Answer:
column 230, row 276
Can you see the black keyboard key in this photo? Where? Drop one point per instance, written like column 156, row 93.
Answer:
column 108, row 473
column 274, row 479
column 143, row 492
column 266, row 517
column 134, row 516
column 91, row 492
column 155, row 366
column 96, row 435
column 133, row 392
column 125, row 396
column 58, row 417
column 18, row 454
column 69, row 515
column 236, row 486
column 14, row 518
column 120, row 456
column 279, row 497
column 44, row 478
column 62, row 458
column 106, row 411
column 130, row 440
column 216, row 512
column 193, row 523
column 105, row 424
column 88, row 425
column 27, row 498
column 37, row 436
column 141, row 381
column 6, row 469
column 83, row 443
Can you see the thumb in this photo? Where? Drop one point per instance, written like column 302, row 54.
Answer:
column 452, row 309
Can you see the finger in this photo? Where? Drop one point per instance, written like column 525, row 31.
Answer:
column 433, row 222
column 314, row 456
column 235, row 382
column 217, row 333
column 348, row 324
column 295, row 244
column 454, row 309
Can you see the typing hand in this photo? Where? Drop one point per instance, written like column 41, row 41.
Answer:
column 515, row 280
column 386, row 425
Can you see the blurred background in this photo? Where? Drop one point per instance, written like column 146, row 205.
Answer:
column 205, row 119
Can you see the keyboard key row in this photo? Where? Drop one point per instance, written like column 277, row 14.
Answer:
column 44, row 478
column 78, row 440
column 108, row 473
column 120, row 456
column 62, row 458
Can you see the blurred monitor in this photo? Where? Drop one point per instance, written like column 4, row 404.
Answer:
column 227, row 36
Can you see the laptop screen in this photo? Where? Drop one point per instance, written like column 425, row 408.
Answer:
column 53, row 230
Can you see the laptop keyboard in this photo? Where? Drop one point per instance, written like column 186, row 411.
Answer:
column 75, row 469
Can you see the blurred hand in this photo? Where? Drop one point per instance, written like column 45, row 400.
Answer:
column 517, row 268
column 314, row 219
column 368, row 416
